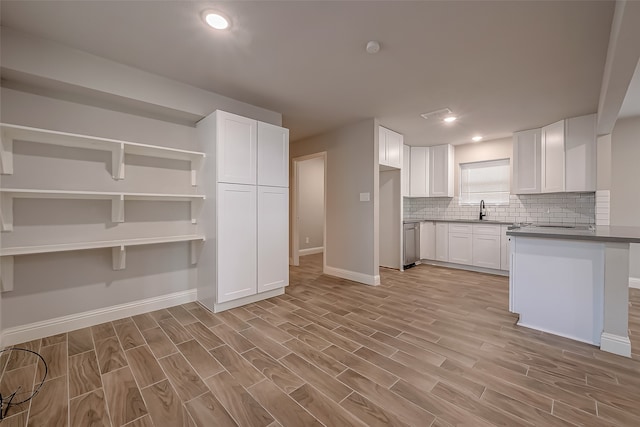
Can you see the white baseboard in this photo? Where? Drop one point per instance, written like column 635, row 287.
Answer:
column 352, row 275
column 615, row 344
column 32, row 331
column 311, row 251
column 634, row 282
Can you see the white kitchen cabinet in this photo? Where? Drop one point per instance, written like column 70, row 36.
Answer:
column 273, row 238
column 237, row 237
column 526, row 162
column 552, row 158
column 441, row 171
column 505, row 248
column 236, row 143
column 460, row 248
column 487, row 246
column 390, row 146
column 428, row 240
column 273, row 155
column 442, row 241
column 580, row 153
column 406, row 168
column 419, row 172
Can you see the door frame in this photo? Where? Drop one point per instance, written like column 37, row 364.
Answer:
column 295, row 226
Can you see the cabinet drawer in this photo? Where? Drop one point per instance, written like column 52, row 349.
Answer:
column 489, row 229
column 460, row 228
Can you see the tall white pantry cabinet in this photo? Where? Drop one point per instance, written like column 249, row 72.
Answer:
column 246, row 211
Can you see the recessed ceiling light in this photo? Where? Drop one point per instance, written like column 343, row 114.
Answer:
column 476, row 138
column 215, row 20
column 450, row 119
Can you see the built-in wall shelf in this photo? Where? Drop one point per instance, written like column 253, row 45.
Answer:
column 117, row 201
column 118, row 148
column 118, row 251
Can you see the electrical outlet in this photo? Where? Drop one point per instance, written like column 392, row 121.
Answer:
column 306, row 240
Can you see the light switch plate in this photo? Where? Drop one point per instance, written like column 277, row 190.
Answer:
column 365, row 197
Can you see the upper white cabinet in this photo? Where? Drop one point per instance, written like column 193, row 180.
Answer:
column 552, row 158
column 419, row 172
column 526, row 162
column 273, row 155
column 390, row 146
column 237, row 142
column 428, row 240
column 580, row 153
column 441, row 171
column 406, row 170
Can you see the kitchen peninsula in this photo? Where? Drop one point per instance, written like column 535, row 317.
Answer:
column 573, row 282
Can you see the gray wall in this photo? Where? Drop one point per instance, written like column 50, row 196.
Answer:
column 352, row 225
column 625, row 197
column 311, row 203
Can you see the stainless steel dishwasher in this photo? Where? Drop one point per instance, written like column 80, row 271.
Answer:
column 411, row 244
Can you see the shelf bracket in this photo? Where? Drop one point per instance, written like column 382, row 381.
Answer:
column 117, row 208
column 196, row 167
column 196, row 248
column 6, row 212
column 117, row 161
column 6, row 273
column 6, row 154
column 119, row 255
column 196, row 208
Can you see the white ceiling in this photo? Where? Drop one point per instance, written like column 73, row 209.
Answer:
column 500, row 66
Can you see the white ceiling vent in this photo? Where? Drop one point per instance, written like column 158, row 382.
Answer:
column 438, row 114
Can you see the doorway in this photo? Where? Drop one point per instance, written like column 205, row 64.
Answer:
column 308, row 233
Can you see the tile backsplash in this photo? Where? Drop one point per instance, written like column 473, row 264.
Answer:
column 564, row 208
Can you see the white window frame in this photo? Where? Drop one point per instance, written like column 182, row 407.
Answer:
column 503, row 196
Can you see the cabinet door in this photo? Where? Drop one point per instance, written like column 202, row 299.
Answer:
column 460, row 248
column 406, row 168
column 428, row 240
column 526, row 161
column 442, row 241
column 382, row 145
column 236, row 148
column 273, row 155
column 441, row 171
column 236, row 243
column 486, row 251
column 580, row 153
column 419, row 170
column 273, row 238
column 394, row 149
column 552, row 160
column 505, row 248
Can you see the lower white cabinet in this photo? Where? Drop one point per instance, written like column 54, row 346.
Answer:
column 460, row 248
column 428, row 240
column 505, row 248
column 273, row 238
column 237, row 237
column 442, row 241
column 486, row 251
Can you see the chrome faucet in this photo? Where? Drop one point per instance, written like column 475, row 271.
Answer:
column 482, row 214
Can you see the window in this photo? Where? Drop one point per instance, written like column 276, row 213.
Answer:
column 488, row 181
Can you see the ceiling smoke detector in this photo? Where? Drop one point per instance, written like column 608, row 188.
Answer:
column 438, row 114
column 373, row 47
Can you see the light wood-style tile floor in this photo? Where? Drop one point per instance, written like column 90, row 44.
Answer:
column 429, row 347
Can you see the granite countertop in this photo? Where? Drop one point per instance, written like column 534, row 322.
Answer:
column 598, row 233
column 472, row 221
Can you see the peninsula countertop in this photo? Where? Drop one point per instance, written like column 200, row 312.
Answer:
column 597, row 233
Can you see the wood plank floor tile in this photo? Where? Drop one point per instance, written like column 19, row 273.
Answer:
column 420, row 353
column 182, row 376
column 371, row 414
column 366, row 341
column 164, row 406
column 204, row 335
column 54, row 339
column 182, row 316
column 84, row 374
column 123, row 397
column 238, row 402
column 89, row 410
column 50, row 406
column 265, row 343
column 281, row 406
column 243, row 371
column 144, row 321
column 144, row 421
column 273, row 370
column 521, row 410
column 324, row 409
column 159, row 342
column 129, row 335
column 56, row 358
column 232, row 338
column 361, row 366
column 17, row 420
column 304, row 336
column 578, row 417
column 110, row 355
column 19, row 381
column 332, row 337
column 207, row 318
column 102, row 331
column 160, row 315
column 316, row 319
column 144, row 366
column 321, row 360
column 206, row 410
column 204, row 364
column 269, row 330
column 18, row 359
column 232, row 321
column 323, row 382
column 175, row 331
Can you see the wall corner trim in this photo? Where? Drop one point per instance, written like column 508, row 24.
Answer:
column 366, row 279
column 634, row 282
column 32, row 331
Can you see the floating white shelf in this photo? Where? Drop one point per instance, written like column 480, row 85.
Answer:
column 117, row 201
column 117, row 148
column 118, row 248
